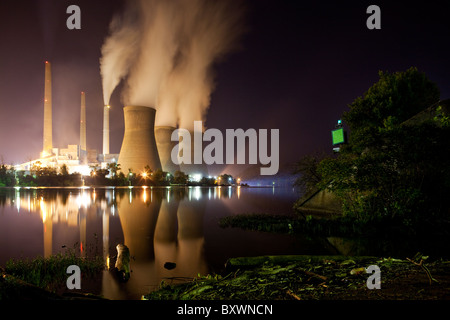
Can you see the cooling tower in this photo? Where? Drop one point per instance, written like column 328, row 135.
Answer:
column 47, row 145
column 139, row 146
column 163, row 136
column 192, row 168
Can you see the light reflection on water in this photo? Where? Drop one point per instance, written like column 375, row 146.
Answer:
column 158, row 224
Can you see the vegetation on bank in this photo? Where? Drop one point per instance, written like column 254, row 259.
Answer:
column 395, row 167
column 112, row 175
column 314, row 278
column 48, row 274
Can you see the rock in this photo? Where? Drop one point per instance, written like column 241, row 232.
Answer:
column 170, row 265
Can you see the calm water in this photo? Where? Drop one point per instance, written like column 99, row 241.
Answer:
column 163, row 224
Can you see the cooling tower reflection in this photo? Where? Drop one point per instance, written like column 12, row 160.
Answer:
column 159, row 225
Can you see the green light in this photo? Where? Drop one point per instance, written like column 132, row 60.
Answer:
column 338, row 136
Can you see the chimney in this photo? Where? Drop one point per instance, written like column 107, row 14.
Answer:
column 106, row 130
column 83, row 122
column 47, row 145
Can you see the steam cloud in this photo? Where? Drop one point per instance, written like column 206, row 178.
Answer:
column 165, row 52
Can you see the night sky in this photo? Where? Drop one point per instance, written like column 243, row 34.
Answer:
column 298, row 67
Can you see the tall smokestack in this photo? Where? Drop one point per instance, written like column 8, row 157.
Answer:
column 139, row 146
column 83, row 122
column 165, row 145
column 47, row 146
column 106, row 130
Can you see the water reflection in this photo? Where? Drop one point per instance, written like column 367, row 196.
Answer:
column 158, row 225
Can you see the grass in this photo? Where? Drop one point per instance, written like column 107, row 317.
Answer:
column 49, row 273
column 313, row 278
column 293, row 224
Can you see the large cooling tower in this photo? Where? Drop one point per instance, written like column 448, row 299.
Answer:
column 139, row 145
column 163, row 136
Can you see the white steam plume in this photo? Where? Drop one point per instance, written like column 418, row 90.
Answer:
column 119, row 50
column 166, row 51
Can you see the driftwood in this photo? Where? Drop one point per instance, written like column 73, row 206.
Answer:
column 420, row 264
column 122, row 265
column 251, row 262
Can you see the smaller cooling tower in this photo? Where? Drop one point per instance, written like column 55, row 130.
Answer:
column 139, row 145
column 163, row 135
column 193, row 169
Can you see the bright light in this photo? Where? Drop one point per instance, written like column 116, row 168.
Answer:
column 83, row 170
column 197, row 193
column 196, row 177
column 44, row 209
column 144, row 195
column 83, row 199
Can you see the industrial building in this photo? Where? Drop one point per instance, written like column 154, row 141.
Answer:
column 77, row 157
column 143, row 144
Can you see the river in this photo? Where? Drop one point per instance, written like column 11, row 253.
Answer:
column 158, row 224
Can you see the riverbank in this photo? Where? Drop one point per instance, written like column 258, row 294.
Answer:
column 408, row 276
column 316, row 278
column 300, row 277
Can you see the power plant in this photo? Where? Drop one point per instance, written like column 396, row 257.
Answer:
column 143, row 146
column 76, row 157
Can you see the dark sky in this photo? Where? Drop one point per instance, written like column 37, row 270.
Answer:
column 299, row 66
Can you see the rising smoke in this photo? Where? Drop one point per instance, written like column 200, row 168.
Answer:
column 165, row 52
